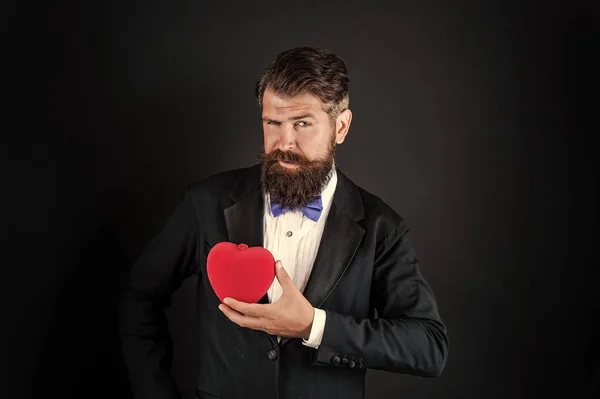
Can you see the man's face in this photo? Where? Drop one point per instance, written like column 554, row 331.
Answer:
column 299, row 146
column 297, row 124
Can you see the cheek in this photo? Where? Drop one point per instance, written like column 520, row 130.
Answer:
column 270, row 139
column 314, row 145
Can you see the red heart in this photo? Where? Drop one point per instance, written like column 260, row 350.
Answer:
column 240, row 272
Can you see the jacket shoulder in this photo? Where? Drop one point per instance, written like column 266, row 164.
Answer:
column 379, row 214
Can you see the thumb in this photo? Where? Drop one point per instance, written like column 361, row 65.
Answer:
column 282, row 276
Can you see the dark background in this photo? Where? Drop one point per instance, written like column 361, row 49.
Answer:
column 473, row 119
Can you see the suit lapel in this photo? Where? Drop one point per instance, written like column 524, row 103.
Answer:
column 339, row 242
column 245, row 224
column 244, row 218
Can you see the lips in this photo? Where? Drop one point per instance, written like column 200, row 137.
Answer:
column 288, row 165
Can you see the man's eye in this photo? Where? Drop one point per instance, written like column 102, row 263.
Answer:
column 303, row 124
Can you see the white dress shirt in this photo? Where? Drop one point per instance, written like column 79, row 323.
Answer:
column 294, row 239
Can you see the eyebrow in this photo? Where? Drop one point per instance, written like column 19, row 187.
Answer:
column 303, row 116
column 294, row 118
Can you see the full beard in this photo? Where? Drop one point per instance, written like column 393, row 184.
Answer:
column 294, row 187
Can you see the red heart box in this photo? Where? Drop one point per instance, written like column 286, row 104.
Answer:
column 240, row 272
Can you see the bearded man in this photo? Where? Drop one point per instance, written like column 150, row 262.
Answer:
column 348, row 294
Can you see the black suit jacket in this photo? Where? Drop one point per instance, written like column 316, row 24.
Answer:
column 381, row 313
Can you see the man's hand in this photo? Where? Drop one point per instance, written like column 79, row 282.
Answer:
column 291, row 316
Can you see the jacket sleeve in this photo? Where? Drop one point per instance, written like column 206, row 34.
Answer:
column 407, row 336
column 169, row 258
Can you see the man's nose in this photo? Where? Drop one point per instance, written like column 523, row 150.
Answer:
column 287, row 139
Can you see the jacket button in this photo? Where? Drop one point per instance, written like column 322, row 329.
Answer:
column 335, row 360
column 273, row 355
column 352, row 364
column 344, row 362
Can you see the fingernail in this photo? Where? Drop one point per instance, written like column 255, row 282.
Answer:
column 226, row 301
column 279, row 265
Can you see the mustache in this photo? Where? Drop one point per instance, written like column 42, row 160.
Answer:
column 285, row 156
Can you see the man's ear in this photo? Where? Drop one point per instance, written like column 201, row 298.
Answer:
column 342, row 125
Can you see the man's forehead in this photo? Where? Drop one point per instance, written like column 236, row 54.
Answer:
column 301, row 102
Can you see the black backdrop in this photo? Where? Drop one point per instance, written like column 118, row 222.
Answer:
column 472, row 119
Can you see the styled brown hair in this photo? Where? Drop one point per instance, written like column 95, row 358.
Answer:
column 308, row 69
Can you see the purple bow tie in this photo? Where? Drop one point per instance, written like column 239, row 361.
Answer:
column 312, row 210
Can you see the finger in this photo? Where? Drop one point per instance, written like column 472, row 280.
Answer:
column 250, row 309
column 283, row 277
column 241, row 319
